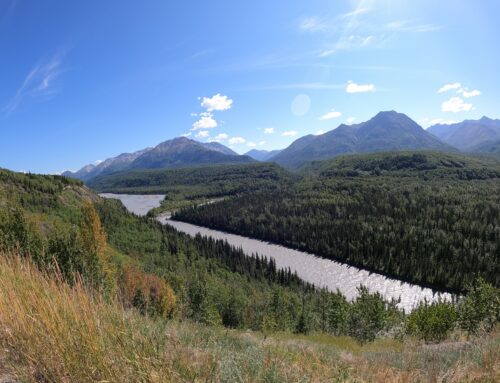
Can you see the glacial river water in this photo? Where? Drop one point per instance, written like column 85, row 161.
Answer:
column 319, row 271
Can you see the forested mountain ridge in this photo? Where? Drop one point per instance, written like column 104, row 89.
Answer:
column 488, row 148
column 178, row 152
column 424, row 217
column 197, row 185
column 387, row 131
column 469, row 135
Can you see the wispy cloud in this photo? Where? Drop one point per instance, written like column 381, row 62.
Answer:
column 39, row 83
column 351, row 42
column 289, row 133
column 313, row 24
column 408, row 26
column 324, row 24
column 359, row 28
column 269, row 131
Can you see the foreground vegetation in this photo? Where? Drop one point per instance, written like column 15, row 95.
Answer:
column 427, row 218
column 93, row 339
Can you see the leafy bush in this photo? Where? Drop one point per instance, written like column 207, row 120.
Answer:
column 432, row 322
column 480, row 308
column 368, row 315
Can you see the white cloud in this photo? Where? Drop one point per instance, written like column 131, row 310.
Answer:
column 289, row 133
column 251, row 144
column 221, row 137
column 350, row 120
column 447, row 87
column 97, row 162
column 454, row 105
column 472, row 93
column 262, row 143
column 352, row 87
column 320, row 132
column 202, row 134
column 188, row 134
column 236, row 140
column 217, row 102
column 330, row 115
column 205, row 122
column 268, row 130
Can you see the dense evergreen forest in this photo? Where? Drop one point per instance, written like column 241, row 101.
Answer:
column 428, row 218
column 162, row 272
column 67, row 230
column 197, row 185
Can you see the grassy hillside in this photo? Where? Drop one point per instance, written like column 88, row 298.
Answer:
column 429, row 218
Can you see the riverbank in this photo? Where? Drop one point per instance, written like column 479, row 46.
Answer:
column 316, row 270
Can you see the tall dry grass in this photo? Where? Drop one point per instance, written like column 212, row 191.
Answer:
column 59, row 333
column 53, row 332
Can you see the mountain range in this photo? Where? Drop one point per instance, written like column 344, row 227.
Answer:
column 175, row 153
column 387, row 131
column 469, row 135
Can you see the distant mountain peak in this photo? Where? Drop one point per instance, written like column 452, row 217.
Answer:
column 262, row 155
column 469, row 135
column 384, row 113
column 386, row 131
column 176, row 152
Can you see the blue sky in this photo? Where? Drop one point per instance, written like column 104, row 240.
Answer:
column 83, row 81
